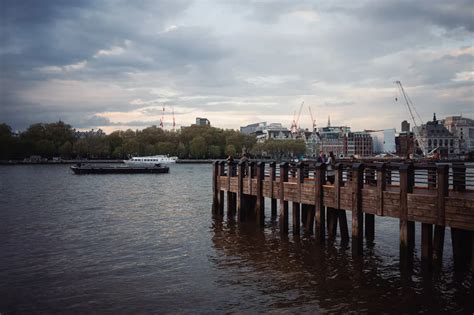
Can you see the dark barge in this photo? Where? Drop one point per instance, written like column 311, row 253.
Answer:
column 100, row 169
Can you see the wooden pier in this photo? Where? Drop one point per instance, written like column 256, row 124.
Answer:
column 435, row 195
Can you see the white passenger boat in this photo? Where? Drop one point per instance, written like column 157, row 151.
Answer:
column 150, row 160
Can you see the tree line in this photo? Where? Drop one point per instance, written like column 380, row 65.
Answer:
column 59, row 139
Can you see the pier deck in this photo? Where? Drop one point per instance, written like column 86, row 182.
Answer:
column 435, row 195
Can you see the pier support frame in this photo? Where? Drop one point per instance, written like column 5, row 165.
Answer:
column 283, row 216
column 357, row 215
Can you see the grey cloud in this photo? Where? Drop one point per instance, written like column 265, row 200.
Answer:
column 361, row 44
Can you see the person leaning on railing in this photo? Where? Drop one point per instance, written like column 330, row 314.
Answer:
column 330, row 163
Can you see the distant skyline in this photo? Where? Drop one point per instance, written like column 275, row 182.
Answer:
column 113, row 64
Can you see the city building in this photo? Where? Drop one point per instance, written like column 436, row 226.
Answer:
column 89, row 134
column 333, row 139
column 404, row 144
column 383, row 140
column 358, row 144
column 276, row 131
column 254, row 128
column 436, row 137
column 405, row 126
column 463, row 129
column 202, row 121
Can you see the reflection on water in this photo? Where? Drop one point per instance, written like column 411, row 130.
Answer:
column 148, row 244
column 300, row 274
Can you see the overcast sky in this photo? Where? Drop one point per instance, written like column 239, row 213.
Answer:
column 113, row 64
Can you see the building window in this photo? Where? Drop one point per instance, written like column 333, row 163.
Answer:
column 429, row 142
column 435, row 142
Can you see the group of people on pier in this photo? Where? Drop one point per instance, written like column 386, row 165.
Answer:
column 329, row 160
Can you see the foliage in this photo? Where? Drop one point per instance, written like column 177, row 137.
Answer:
column 61, row 140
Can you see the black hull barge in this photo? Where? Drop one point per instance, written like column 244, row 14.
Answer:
column 99, row 169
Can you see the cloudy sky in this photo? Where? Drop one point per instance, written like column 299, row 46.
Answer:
column 114, row 64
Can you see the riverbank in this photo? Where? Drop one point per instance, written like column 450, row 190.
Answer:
column 75, row 161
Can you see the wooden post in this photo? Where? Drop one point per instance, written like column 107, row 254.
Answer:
column 320, row 180
column 309, row 223
column 388, row 173
column 357, row 215
column 426, row 243
column 332, row 213
column 260, row 198
column 341, row 213
column 297, row 204
column 240, row 191
column 369, row 226
column 250, row 199
column 407, row 228
column 215, row 186
column 283, row 203
column 272, row 180
column 459, row 177
column 381, row 186
column 221, row 191
column 472, row 251
column 442, row 184
column 230, row 195
column 431, row 177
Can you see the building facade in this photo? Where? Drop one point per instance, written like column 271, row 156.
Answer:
column 254, row 128
column 436, row 137
column 202, row 121
column 359, row 144
column 463, row 129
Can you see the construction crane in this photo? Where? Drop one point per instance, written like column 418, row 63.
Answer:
column 294, row 124
column 412, row 110
column 313, row 122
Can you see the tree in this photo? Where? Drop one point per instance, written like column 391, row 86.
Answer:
column 118, row 153
column 166, row 148
column 197, row 147
column 45, row 148
column 214, row 151
column 66, row 150
column 181, row 151
column 230, row 150
column 131, row 147
column 81, row 148
column 6, row 142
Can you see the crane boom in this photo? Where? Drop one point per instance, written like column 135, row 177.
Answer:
column 299, row 113
column 313, row 122
column 294, row 124
column 412, row 109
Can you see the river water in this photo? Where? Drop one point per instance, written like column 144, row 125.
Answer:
column 149, row 244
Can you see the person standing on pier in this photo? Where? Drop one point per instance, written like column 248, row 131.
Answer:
column 331, row 161
column 321, row 158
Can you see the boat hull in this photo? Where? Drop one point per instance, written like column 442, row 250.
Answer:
column 80, row 170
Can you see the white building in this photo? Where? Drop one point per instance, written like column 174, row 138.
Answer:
column 463, row 129
column 383, row 140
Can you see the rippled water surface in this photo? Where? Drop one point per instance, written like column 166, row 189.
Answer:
column 148, row 244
